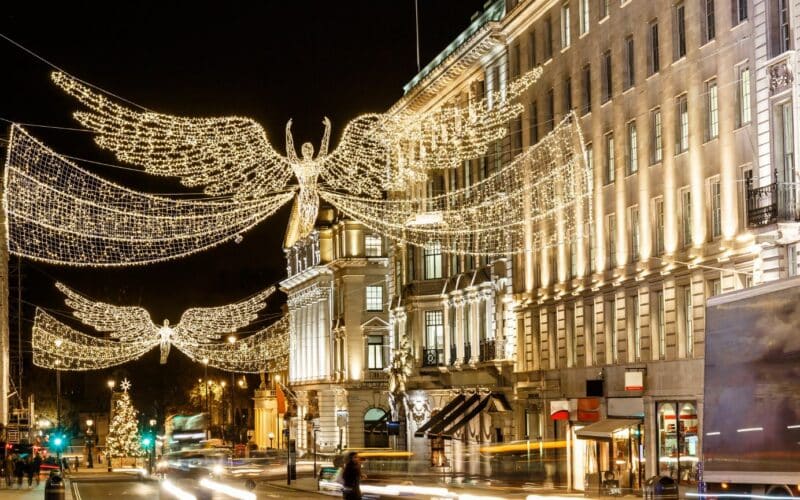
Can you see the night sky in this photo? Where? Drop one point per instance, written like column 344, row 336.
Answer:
column 267, row 60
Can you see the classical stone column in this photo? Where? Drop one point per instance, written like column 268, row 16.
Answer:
column 266, row 417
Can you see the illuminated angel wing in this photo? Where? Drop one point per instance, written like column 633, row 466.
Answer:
column 226, row 155
column 126, row 323
column 204, row 324
column 380, row 152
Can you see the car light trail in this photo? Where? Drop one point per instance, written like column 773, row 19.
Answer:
column 173, row 490
column 227, row 490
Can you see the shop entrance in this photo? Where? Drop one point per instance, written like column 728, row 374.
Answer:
column 614, row 456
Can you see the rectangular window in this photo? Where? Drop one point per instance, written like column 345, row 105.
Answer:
column 743, row 96
column 658, row 225
column 635, row 227
column 787, row 145
column 680, row 31
column 587, row 88
column 633, row 150
column 681, row 124
column 515, row 61
column 375, row 350
column 373, row 245
column 710, row 28
column 716, row 208
column 434, row 338
column 566, row 35
column 657, row 144
column 590, row 344
column 739, row 11
column 375, row 298
column 611, row 239
column 678, row 448
column 636, row 327
column 532, row 60
column 653, row 59
column 604, row 9
column 688, row 319
column 630, row 69
column 534, row 119
column 567, row 95
column 610, row 170
column 659, row 323
column 433, row 261
column 607, row 77
column 550, row 111
column 686, row 216
column 712, row 110
column 714, row 287
column 548, row 39
column 584, row 16
column 611, row 329
column 780, row 26
column 569, row 333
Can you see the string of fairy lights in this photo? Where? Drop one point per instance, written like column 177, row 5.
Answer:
column 131, row 334
column 548, row 187
column 61, row 214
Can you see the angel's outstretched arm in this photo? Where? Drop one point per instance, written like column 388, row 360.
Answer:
column 326, row 138
column 291, row 152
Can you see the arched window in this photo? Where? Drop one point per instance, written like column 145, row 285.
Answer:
column 376, row 434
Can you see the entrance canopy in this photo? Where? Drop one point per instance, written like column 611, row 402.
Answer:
column 605, row 429
column 458, row 413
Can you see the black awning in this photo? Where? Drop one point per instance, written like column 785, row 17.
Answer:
column 449, row 419
column 449, row 407
column 448, row 432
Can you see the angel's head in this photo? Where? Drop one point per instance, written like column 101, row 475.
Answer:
column 307, row 150
column 166, row 323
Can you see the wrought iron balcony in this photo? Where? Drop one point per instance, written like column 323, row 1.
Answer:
column 488, row 350
column 433, row 357
column 776, row 202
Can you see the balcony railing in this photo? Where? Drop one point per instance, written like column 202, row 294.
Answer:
column 488, row 350
column 432, row 357
column 776, row 202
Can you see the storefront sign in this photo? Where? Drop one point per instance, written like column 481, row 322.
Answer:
column 626, row 407
column 634, row 380
column 588, row 410
column 559, row 410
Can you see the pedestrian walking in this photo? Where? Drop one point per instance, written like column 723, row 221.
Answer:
column 8, row 469
column 19, row 470
column 37, row 467
column 351, row 477
column 76, row 463
column 29, row 470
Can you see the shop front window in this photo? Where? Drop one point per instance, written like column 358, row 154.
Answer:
column 678, row 445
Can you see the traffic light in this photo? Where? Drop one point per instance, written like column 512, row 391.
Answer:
column 146, row 442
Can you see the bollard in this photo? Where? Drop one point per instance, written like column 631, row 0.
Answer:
column 54, row 487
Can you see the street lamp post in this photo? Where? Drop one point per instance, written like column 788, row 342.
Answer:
column 223, row 413
column 89, row 442
column 271, row 436
column 152, row 450
column 111, row 385
column 208, row 405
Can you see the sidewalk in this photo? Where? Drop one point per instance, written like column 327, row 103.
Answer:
column 34, row 493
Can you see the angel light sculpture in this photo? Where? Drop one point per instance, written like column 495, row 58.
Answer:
column 232, row 157
column 131, row 333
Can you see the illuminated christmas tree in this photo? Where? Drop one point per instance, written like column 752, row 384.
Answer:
column 123, row 434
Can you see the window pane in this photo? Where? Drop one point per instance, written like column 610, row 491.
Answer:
column 433, row 261
column 375, row 298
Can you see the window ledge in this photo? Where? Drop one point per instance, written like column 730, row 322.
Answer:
column 604, row 19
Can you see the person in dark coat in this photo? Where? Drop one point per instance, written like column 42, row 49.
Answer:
column 19, row 470
column 351, row 477
column 37, row 467
column 29, row 470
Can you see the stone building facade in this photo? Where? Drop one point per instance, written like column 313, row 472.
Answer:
column 688, row 113
column 337, row 297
